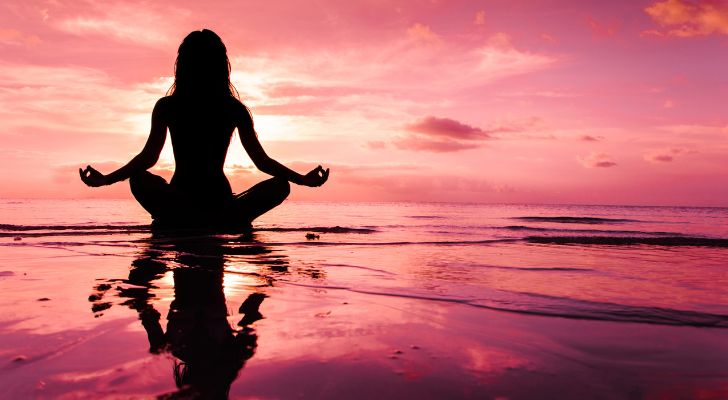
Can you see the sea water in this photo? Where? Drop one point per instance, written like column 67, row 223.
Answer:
column 662, row 265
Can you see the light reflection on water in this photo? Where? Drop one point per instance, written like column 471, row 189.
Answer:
column 413, row 297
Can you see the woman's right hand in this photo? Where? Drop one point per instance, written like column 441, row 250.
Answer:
column 316, row 177
column 92, row 177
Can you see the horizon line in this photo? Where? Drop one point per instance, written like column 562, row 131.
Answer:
column 407, row 202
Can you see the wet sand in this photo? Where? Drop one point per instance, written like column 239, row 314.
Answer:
column 78, row 320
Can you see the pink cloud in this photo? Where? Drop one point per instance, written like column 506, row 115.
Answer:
column 441, row 135
column 688, row 19
column 548, row 38
column 418, row 143
column 601, row 29
column 446, row 127
column 16, row 37
column 597, row 160
column 295, row 89
column 500, row 40
column 479, row 18
column 423, row 33
column 398, row 182
column 664, row 155
column 150, row 24
column 376, row 144
column 589, row 138
column 309, row 106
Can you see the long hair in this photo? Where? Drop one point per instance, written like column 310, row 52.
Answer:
column 202, row 67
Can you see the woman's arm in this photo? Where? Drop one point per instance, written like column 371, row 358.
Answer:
column 142, row 162
column 249, row 139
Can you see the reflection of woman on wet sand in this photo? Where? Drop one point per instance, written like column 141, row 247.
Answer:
column 201, row 113
column 209, row 352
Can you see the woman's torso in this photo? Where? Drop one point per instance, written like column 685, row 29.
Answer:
column 201, row 131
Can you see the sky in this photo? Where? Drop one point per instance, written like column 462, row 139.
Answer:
column 535, row 101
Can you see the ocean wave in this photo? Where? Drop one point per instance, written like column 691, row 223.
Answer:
column 591, row 231
column 514, row 268
column 551, row 306
column 630, row 240
column 9, row 230
column 567, row 307
column 397, row 243
column 98, row 232
column 25, row 228
column 319, row 229
column 362, row 267
column 538, row 269
column 576, row 220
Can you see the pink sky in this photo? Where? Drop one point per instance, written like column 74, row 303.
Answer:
column 543, row 101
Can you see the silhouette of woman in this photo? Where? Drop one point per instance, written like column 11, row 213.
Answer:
column 201, row 111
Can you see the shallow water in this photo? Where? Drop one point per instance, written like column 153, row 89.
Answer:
column 391, row 300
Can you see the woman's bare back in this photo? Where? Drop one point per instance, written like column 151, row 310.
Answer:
column 201, row 132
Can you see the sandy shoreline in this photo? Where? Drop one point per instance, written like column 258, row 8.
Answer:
column 315, row 342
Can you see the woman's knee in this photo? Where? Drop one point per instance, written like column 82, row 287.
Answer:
column 144, row 178
column 283, row 187
column 143, row 182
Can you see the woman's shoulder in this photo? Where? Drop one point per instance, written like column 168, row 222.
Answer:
column 240, row 111
column 235, row 103
column 162, row 107
column 164, row 103
column 165, row 100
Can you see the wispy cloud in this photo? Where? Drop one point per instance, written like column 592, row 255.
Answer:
column 418, row 143
column 395, row 67
column 16, row 37
column 73, row 98
column 141, row 23
column 402, row 182
column 479, row 18
column 423, row 33
column 376, row 144
column 664, row 155
column 602, row 29
column 597, row 160
column 696, row 131
column 548, row 38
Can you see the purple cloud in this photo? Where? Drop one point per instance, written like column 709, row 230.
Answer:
column 448, row 128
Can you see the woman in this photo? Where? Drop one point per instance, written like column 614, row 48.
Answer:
column 201, row 111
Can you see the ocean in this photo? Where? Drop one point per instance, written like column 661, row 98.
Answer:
column 627, row 296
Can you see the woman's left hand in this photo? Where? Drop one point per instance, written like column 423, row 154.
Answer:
column 316, row 177
column 92, row 177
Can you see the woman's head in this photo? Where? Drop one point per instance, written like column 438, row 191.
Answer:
column 202, row 66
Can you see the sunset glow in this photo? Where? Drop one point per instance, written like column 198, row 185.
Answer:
column 620, row 102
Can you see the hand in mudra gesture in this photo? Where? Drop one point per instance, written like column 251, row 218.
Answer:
column 316, row 177
column 92, row 177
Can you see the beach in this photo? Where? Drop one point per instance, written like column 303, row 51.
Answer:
column 366, row 300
